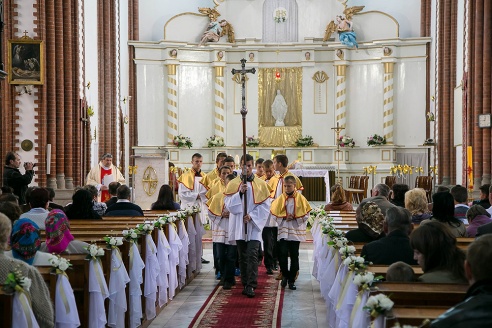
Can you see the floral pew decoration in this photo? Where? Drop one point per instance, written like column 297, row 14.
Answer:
column 19, row 286
column 98, row 289
column 117, row 283
column 163, row 254
column 152, row 270
column 136, row 266
column 379, row 308
column 176, row 245
column 66, row 313
column 364, row 282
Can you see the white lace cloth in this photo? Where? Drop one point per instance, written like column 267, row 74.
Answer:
column 66, row 314
column 135, row 291
column 117, row 296
column 22, row 315
column 98, row 292
column 152, row 270
column 163, row 253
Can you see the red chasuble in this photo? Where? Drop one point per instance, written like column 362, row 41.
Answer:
column 105, row 196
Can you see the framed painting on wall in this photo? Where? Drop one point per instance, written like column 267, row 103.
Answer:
column 26, row 61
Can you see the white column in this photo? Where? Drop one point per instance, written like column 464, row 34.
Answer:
column 341, row 104
column 388, row 104
column 172, row 102
column 219, row 104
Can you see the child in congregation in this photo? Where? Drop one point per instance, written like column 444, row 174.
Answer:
column 291, row 209
column 400, row 272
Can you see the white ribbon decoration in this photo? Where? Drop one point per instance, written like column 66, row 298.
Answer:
column 152, row 270
column 117, row 295
column 22, row 315
column 163, row 253
column 98, row 292
column 64, row 318
column 135, row 291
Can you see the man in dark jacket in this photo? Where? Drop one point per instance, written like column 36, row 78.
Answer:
column 123, row 206
column 476, row 310
column 14, row 179
column 396, row 245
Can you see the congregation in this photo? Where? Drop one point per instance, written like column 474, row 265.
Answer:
column 259, row 217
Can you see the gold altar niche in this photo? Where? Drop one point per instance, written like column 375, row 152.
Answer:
column 290, row 85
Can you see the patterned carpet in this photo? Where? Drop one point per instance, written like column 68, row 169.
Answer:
column 229, row 308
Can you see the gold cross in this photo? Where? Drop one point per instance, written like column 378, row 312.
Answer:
column 150, row 180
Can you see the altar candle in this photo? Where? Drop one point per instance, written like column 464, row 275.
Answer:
column 48, row 158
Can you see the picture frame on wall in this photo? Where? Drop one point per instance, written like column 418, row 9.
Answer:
column 26, row 61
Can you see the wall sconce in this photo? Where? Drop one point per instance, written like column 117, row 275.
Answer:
column 22, row 89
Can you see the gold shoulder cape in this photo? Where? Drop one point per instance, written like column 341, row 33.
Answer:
column 261, row 191
column 216, row 204
column 209, row 178
column 273, row 183
column 263, row 177
column 301, row 206
column 188, row 179
column 215, row 187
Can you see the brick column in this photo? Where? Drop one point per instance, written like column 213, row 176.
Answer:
column 341, row 103
column 172, row 102
column 486, row 95
column 219, row 121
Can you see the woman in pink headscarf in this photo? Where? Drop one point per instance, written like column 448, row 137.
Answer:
column 58, row 237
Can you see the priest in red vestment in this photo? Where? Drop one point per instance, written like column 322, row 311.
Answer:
column 103, row 174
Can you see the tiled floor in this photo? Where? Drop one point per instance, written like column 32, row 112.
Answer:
column 303, row 307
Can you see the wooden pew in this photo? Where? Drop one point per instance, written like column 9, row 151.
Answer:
column 423, row 294
column 415, row 316
column 5, row 309
column 380, row 270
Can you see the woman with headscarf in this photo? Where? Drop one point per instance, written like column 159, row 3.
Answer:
column 58, row 237
column 39, row 294
column 370, row 221
column 25, row 243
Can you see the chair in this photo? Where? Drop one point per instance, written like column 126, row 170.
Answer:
column 390, row 180
column 425, row 182
column 361, row 193
column 352, row 189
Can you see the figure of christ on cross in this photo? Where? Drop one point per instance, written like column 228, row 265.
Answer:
column 244, row 111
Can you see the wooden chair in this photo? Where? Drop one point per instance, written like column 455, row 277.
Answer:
column 362, row 189
column 390, row 180
column 425, row 182
column 352, row 189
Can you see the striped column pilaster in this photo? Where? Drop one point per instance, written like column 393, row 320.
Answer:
column 341, row 103
column 172, row 102
column 219, row 121
column 388, row 105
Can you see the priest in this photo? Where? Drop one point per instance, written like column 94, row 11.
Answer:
column 103, row 174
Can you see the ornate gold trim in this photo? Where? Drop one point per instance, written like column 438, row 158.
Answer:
column 388, row 68
column 320, row 76
column 341, row 70
column 219, row 71
column 171, row 69
column 150, row 180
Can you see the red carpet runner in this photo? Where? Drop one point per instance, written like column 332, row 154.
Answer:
column 229, row 308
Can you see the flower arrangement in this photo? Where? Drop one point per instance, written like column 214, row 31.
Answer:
column 280, row 15
column 346, row 252
column 304, row 141
column 377, row 305
column 252, row 141
column 337, row 239
column 355, row 263
column 131, row 235
column 95, row 252
column 364, row 280
column 59, row 264
column 346, row 141
column 113, row 242
column 376, row 140
column 16, row 282
column 181, row 141
column 145, row 228
column 215, row 141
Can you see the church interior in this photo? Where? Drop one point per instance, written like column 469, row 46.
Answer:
column 356, row 93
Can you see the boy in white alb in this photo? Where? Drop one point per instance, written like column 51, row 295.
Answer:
column 292, row 211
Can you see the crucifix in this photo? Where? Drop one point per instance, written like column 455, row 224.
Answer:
column 243, row 71
column 337, row 129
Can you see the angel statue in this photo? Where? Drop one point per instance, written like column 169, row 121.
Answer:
column 344, row 27
column 215, row 30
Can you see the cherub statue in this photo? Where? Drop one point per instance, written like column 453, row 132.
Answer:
column 343, row 26
column 216, row 30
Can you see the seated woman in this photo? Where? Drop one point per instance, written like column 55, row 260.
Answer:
column 416, row 203
column 25, row 242
column 165, row 200
column 398, row 191
column 98, row 207
column 370, row 221
column 38, row 292
column 338, row 200
column 436, row 252
column 59, row 240
column 443, row 211
column 82, row 206
column 477, row 216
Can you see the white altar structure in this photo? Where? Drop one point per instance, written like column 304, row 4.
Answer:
column 189, row 90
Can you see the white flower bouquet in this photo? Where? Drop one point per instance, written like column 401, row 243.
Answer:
column 15, row 280
column 145, row 228
column 94, row 251
column 131, row 235
column 364, row 280
column 304, row 141
column 59, row 263
column 376, row 140
column 112, row 242
column 346, row 252
column 379, row 304
column 181, row 141
column 346, row 141
column 355, row 263
column 215, row 141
